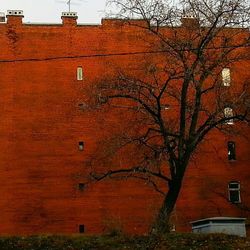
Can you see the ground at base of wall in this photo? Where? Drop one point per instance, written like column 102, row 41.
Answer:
column 171, row 242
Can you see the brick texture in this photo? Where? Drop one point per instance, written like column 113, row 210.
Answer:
column 41, row 124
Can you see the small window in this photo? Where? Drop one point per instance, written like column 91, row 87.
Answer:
column 165, row 107
column 81, row 145
column 228, row 112
column 234, row 192
column 81, row 229
column 79, row 74
column 231, row 151
column 82, row 106
column 81, row 186
column 226, row 77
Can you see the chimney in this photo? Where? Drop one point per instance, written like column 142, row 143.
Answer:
column 189, row 22
column 2, row 17
column 69, row 18
column 14, row 17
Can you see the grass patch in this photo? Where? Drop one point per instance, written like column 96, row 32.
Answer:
column 170, row 241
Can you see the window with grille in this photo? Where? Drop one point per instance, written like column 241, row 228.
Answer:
column 234, row 192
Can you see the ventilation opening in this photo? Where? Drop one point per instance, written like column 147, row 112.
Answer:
column 81, row 186
column 15, row 12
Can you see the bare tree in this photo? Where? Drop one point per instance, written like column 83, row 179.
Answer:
column 183, row 93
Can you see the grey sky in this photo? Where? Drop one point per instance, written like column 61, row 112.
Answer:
column 49, row 11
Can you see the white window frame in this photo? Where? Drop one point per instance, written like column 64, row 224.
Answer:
column 228, row 112
column 79, row 73
column 226, row 77
column 233, row 189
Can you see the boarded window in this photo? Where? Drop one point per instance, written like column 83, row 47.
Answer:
column 231, row 151
column 228, row 112
column 79, row 74
column 234, row 192
column 226, row 77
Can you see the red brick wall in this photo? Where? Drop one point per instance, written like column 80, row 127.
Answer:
column 41, row 125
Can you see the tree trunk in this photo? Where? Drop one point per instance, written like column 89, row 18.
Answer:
column 161, row 224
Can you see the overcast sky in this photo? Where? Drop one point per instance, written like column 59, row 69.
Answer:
column 49, row 11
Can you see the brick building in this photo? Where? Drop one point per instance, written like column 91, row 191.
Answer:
column 46, row 138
